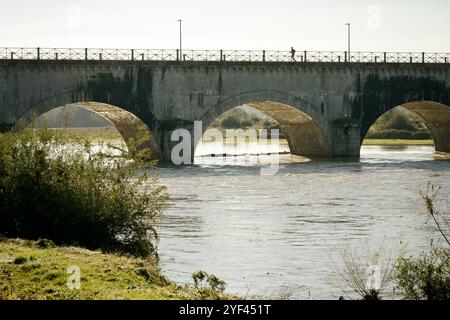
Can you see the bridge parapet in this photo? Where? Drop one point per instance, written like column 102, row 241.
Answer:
column 98, row 54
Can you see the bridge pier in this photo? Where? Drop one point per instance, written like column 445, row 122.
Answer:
column 178, row 144
column 346, row 141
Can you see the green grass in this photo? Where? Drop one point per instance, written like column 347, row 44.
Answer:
column 100, row 134
column 37, row 270
column 397, row 142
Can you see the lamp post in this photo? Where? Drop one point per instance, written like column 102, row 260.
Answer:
column 349, row 35
column 181, row 48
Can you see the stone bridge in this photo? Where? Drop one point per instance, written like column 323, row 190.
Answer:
column 324, row 108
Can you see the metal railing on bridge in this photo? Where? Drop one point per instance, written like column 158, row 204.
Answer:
column 90, row 54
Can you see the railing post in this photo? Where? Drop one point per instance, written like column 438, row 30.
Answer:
column 12, row 55
column 178, row 54
column 423, row 57
column 306, row 56
column 339, row 58
column 410, row 59
column 85, row 54
column 376, row 58
column 39, row 53
column 221, row 55
column 345, row 56
column 56, row 55
column 132, row 54
column 100, row 56
column 445, row 59
column 264, row 55
column 385, row 57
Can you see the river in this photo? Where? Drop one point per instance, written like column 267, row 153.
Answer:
column 269, row 236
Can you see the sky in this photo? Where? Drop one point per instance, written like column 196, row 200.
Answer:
column 377, row 25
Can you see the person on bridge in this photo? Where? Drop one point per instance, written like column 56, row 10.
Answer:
column 293, row 54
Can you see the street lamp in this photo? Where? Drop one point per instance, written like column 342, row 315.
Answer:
column 348, row 27
column 181, row 54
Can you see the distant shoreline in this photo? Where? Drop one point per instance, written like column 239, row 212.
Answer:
column 398, row 142
column 110, row 133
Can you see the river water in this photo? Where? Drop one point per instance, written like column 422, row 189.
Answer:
column 269, row 236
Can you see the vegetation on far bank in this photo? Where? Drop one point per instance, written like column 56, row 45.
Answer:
column 95, row 134
column 38, row 270
column 399, row 123
column 398, row 142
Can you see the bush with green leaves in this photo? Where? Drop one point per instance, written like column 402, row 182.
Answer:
column 427, row 277
column 398, row 134
column 63, row 190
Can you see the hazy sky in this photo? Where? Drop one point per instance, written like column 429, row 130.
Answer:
column 377, row 25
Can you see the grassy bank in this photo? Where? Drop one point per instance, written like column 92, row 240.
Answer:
column 397, row 142
column 105, row 134
column 38, row 270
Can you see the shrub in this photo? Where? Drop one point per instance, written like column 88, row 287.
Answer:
column 400, row 121
column 238, row 120
column 397, row 134
column 427, row 277
column 246, row 123
column 231, row 122
column 208, row 285
column 72, row 195
column 366, row 274
column 399, row 124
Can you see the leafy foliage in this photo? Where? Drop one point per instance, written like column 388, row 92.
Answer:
column 399, row 124
column 73, row 195
column 427, row 277
column 398, row 134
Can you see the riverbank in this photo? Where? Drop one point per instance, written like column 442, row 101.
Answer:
column 398, row 142
column 99, row 134
column 31, row 270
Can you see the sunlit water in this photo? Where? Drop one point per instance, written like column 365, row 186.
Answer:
column 265, row 235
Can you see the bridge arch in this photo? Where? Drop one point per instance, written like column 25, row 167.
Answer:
column 435, row 116
column 305, row 127
column 126, row 123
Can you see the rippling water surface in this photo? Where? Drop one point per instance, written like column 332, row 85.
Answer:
column 267, row 234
